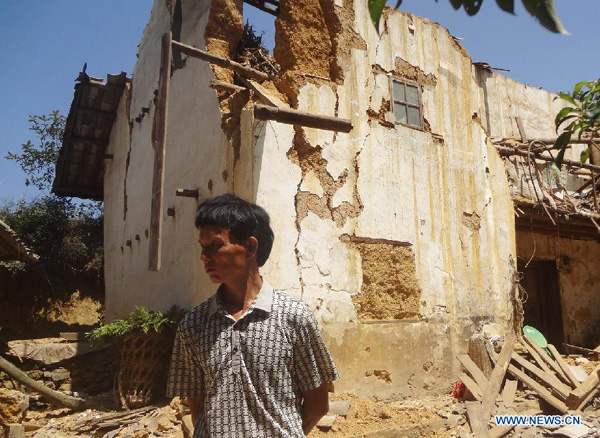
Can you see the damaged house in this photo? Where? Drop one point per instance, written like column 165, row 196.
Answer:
column 412, row 195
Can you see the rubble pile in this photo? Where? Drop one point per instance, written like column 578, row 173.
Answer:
column 61, row 364
column 535, row 382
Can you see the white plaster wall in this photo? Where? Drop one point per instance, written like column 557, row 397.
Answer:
column 195, row 154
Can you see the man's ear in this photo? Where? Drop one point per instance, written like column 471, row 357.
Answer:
column 251, row 247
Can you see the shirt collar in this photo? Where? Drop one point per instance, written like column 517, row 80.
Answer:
column 263, row 301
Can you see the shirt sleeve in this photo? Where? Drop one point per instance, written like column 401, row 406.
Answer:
column 186, row 378
column 313, row 364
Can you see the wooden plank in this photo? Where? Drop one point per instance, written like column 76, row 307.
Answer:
column 563, row 366
column 536, row 357
column 539, row 389
column 221, row 62
column 471, row 386
column 295, row 117
column 508, row 394
column 477, row 420
column 585, row 350
column 493, row 388
column 159, row 142
column 220, row 85
column 548, row 378
column 474, row 370
column 580, row 393
column 263, row 94
column 546, row 358
column 521, row 130
column 587, row 399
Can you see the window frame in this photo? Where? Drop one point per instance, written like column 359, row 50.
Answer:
column 393, row 100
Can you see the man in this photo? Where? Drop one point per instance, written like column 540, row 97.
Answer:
column 250, row 359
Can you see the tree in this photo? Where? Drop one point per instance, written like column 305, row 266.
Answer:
column 543, row 10
column 67, row 235
column 39, row 160
column 583, row 116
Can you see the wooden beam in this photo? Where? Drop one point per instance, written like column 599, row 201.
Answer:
column 509, row 392
column 220, row 85
column 587, row 399
column 539, row 389
column 495, row 382
column 477, row 420
column 548, row 141
column 159, row 141
column 261, row 93
column 548, row 378
column 221, row 62
column 474, row 370
column 521, row 130
column 471, row 386
column 563, row 366
column 187, row 193
column 582, row 391
column 508, row 151
column 546, row 358
column 295, row 117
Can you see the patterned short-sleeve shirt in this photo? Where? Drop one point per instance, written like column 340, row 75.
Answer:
column 252, row 372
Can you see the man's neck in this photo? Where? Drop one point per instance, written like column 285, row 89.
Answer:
column 239, row 294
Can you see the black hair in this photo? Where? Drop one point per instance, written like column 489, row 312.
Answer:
column 242, row 218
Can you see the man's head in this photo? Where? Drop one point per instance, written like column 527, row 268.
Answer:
column 233, row 232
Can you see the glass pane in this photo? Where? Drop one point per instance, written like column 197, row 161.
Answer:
column 399, row 91
column 412, row 95
column 400, row 111
column 414, row 116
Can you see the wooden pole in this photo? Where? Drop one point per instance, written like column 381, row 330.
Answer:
column 220, row 85
column 295, row 117
column 550, row 141
column 507, row 151
column 54, row 397
column 159, row 141
column 221, row 62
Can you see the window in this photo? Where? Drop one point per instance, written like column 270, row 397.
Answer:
column 407, row 104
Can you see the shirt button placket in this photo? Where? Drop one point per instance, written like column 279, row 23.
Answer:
column 235, row 349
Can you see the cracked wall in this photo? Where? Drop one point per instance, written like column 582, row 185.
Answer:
column 398, row 239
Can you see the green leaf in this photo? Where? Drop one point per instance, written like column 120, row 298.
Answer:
column 585, row 155
column 579, row 86
column 560, row 157
column 562, row 141
column 507, row 5
column 472, row 6
column 568, row 98
column 375, row 11
column 545, row 12
column 562, row 114
column 456, row 4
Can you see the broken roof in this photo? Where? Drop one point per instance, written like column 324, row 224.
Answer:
column 80, row 170
column 11, row 247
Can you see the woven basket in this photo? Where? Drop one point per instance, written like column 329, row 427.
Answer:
column 142, row 374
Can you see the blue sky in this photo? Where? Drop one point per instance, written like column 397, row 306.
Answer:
column 45, row 43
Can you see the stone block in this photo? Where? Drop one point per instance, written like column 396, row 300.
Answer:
column 340, row 407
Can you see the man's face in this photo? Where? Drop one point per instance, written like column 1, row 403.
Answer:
column 223, row 259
